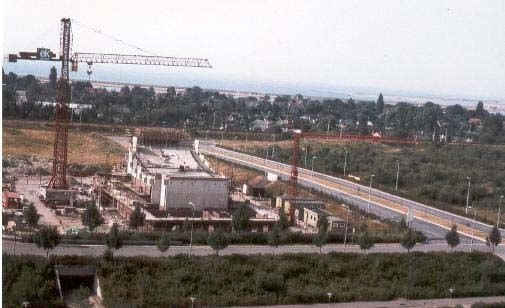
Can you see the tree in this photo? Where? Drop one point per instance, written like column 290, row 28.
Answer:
column 452, row 237
column 217, row 240
column 408, row 240
column 494, row 237
column 163, row 242
column 53, row 80
column 240, row 220
column 113, row 240
column 47, row 238
column 479, row 110
column 31, row 216
column 171, row 92
column 137, row 218
column 322, row 232
column 283, row 220
column 91, row 217
column 274, row 237
column 365, row 241
column 380, row 104
column 322, row 224
column 320, row 239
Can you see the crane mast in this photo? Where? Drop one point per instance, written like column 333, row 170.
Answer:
column 61, row 116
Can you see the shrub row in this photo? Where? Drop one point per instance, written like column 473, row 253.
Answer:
column 200, row 238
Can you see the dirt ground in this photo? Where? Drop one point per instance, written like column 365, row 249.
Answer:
column 87, row 148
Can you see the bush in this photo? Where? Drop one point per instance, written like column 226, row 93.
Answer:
column 265, row 279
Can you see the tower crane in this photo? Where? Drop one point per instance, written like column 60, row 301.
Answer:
column 70, row 61
column 297, row 134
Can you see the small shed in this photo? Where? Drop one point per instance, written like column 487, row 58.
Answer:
column 256, row 187
column 11, row 200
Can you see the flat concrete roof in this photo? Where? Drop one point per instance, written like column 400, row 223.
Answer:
column 168, row 161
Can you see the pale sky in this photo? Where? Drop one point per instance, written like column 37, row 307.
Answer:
column 429, row 46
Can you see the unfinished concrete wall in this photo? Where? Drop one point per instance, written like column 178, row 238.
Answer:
column 204, row 193
column 156, row 189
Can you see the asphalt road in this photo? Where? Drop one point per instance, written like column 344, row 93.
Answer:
column 358, row 195
column 404, row 303
column 8, row 247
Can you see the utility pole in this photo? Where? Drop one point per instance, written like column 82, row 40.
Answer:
column 397, row 173
column 499, row 209
column 467, row 195
column 328, row 129
column 306, row 148
column 314, row 157
column 370, row 193
column 473, row 228
column 246, row 141
column 214, row 121
column 192, row 221
column 345, row 160
column 346, row 224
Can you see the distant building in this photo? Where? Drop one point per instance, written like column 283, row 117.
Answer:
column 256, row 186
column 11, row 200
column 21, row 98
column 312, row 216
column 475, row 121
column 297, row 205
column 260, row 125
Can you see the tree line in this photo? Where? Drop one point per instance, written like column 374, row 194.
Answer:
column 198, row 109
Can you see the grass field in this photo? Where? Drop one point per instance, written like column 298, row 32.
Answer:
column 88, row 148
column 432, row 174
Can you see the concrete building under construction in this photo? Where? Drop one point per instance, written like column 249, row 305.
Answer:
column 164, row 167
column 162, row 174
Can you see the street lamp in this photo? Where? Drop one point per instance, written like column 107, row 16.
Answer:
column 191, row 233
column 499, row 208
column 329, row 297
column 467, row 194
column 370, row 193
column 313, row 157
column 192, row 299
column 306, row 147
column 473, row 226
column 397, row 173
column 345, row 160
column 246, row 133
column 346, row 224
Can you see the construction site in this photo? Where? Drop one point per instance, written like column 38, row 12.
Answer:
column 165, row 175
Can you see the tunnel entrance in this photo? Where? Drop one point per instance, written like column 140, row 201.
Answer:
column 77, row 284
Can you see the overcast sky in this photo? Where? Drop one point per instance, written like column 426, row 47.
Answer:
column 427, row 46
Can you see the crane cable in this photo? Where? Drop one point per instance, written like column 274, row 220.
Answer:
column 113, row 37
